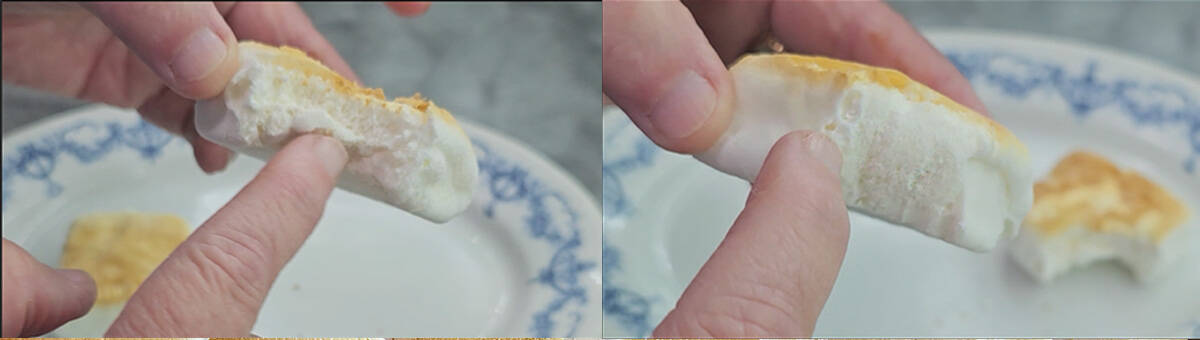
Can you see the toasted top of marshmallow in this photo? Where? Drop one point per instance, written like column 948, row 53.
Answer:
column 1087, row 190
column 296, row 60
column 815, row 68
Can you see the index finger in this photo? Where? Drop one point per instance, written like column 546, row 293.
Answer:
column 283, row 23
column 216, row 281
column 872, row 33
column 775, row 268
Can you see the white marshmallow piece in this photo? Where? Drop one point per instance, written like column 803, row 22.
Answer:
column 910, row 156
column 408, row 153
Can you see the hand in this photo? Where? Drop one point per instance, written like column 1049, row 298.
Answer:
column 156, row 57
column 159, row 58
column 215, row 282
column 664, row 62
column 664, row 65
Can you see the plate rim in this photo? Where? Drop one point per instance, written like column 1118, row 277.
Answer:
column 1176, row 73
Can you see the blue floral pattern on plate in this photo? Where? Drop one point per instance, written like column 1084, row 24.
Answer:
column 87, row 141
column 622, row 305
column 552, row 220
column 549, row 218
column 1146, row 104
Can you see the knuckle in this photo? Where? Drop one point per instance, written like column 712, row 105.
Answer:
column 750, row 314
column 727, row 322
column 294, row 190
column 236, row 259
column 752, row 309
column 141, row 321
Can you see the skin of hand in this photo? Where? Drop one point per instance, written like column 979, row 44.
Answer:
column 664, row 64
column 156, row 57
column 159, row 58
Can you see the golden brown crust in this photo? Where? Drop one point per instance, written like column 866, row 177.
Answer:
column 295, row 59
column 808, row 66
column 1087, row 189
column 119, row 250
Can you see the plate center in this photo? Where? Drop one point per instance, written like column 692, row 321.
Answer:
column 366, row 257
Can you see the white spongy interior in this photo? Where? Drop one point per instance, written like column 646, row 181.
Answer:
column 912, row 163
column 1047, row 257
column 417, row 161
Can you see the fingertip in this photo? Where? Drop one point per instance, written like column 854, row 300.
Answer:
column 188, row 45
column 685, row 107
column 693, row 113
column 408, row 9
column 203, row 65
column 77, row 277
column 690, row 116
column 45, row 297
column 662, row 71
column 313, row 148
column 794, row 211
column 972, row 101
column 211, row 158
column 81, row 283
column 328, row 151
column 793, row 153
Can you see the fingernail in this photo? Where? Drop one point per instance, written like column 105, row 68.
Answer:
column 76, row 277
column 331, row 153
column 198, row 57
column 824, row 150
column 685, row 107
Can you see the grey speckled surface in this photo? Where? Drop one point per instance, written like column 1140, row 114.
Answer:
column 528, row 70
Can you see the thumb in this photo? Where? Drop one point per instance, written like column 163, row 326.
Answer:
column 37, row 298
column 772, row 273
column 187, row 44
column 660, row 69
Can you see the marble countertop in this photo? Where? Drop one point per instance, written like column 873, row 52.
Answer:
column 532, row 70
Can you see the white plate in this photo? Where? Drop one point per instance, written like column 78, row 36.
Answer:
column 665, row 213
column 522, row 261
